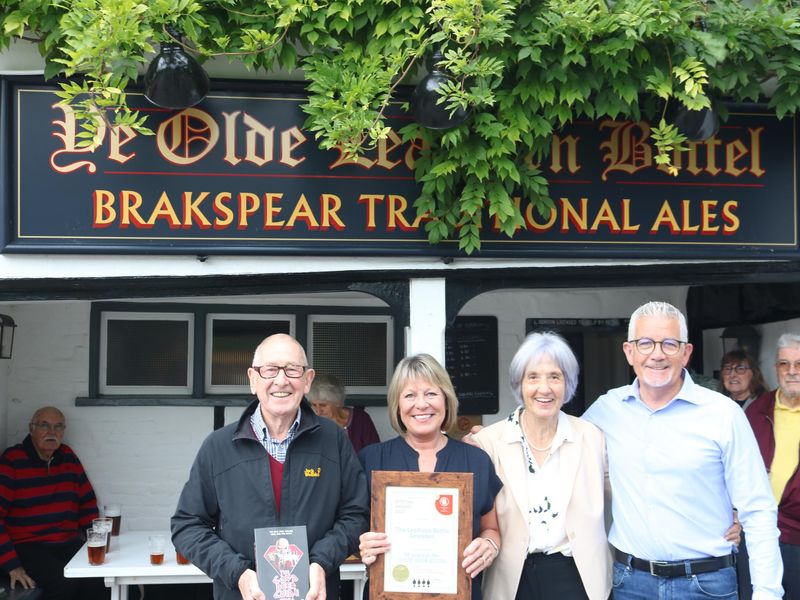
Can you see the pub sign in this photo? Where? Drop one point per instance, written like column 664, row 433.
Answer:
column 237, row 174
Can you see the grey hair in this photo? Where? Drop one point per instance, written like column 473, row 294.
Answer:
column 658, row 309
column 39, row 412
column 327, row 388
column 788, row 340
column 535, row 346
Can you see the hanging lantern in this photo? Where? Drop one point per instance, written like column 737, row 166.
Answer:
column 428, row 112
column 697, row 125
column 174, row 78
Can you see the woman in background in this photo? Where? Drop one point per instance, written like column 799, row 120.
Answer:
column 327, row 399
column 422, row 406
column 741, row 377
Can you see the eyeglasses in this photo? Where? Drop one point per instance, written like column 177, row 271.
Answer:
column 271, row 371
column 45, row 426
column 740, row 369
column 785, row 365
column 669, row 346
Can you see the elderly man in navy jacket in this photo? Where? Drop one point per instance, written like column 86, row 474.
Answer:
column 279, row 465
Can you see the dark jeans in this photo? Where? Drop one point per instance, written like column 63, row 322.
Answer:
column 791, row 571
column 44, row 563
column 550, row 577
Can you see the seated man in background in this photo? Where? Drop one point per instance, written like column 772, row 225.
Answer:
column 327, row 399
column 46, row 502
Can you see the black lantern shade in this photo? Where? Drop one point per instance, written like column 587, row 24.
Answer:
column 697, row 125
column 427, row 111
column 174, row 79
column 7, row 327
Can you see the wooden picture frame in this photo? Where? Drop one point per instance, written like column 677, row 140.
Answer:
column 463, row 484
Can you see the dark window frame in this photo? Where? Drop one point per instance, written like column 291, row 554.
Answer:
column 199, row 397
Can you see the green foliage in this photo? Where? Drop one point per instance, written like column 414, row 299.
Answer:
column 524, row 68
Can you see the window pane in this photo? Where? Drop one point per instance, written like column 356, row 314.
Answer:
column 234, row 341
column 354, row 352
column 144, row 352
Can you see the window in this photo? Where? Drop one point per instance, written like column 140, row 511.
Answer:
column 230, row 342
column 145, row 352
column 197, row 354
column 355, row 348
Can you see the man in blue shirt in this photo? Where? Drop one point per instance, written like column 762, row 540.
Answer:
column 680, row 458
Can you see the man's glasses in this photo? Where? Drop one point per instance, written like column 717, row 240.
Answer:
column 271, row 371
column 45, row 426
column 739, row 369
column 784, row 365
column 669, row 346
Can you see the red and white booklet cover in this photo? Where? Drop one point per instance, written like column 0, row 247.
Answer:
column 282, row 562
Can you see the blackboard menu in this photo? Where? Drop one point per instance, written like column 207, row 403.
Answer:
column 471, row 358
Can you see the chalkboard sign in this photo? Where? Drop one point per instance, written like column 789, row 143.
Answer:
column 471, row 359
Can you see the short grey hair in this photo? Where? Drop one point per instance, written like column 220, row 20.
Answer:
column 327, row 388
column 788, row 340
column 658, row 309
column 535, row 346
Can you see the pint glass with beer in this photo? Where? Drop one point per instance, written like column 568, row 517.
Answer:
column 96, row 542
column 104, row 524
column 114, row 512
column 156, row 544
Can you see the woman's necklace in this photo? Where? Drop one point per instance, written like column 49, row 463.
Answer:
column 537, row 449
column 545, row 449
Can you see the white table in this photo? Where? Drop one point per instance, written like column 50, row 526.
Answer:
column 128, row 563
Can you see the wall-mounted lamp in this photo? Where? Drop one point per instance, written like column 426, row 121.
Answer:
column 742, row 337
column 427, row 111
column 174, row 78
column 7, row 327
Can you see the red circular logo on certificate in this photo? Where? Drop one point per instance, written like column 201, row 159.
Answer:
column 444, row 504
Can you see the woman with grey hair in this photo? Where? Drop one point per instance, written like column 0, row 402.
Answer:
column 551, row 506
column 422, row 407
column 327, row 394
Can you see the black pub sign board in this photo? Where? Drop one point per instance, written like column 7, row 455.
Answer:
column 238, row 174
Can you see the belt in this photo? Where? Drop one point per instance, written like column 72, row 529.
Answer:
column 676, row 568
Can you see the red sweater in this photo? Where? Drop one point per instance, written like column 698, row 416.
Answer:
column 41, row 501
column 761, row 415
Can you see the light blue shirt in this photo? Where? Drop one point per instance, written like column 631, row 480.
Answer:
column 677, row 472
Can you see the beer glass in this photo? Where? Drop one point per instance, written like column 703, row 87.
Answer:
column 104, row 524
column 156, row 544
column 182, row 560
column 96, row 542
column 114, row 512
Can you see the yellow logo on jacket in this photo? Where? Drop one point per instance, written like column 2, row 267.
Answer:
column 312, row 472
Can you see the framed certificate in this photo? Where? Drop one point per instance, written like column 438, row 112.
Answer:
column 428, row 518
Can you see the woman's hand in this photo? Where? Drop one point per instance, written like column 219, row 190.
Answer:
column 371, row 544
column 734, row 532
column 478, row 555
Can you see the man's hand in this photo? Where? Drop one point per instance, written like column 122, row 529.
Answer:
column 316, row 583
column 467, row 439
column 248, row 586
column 19, row 575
